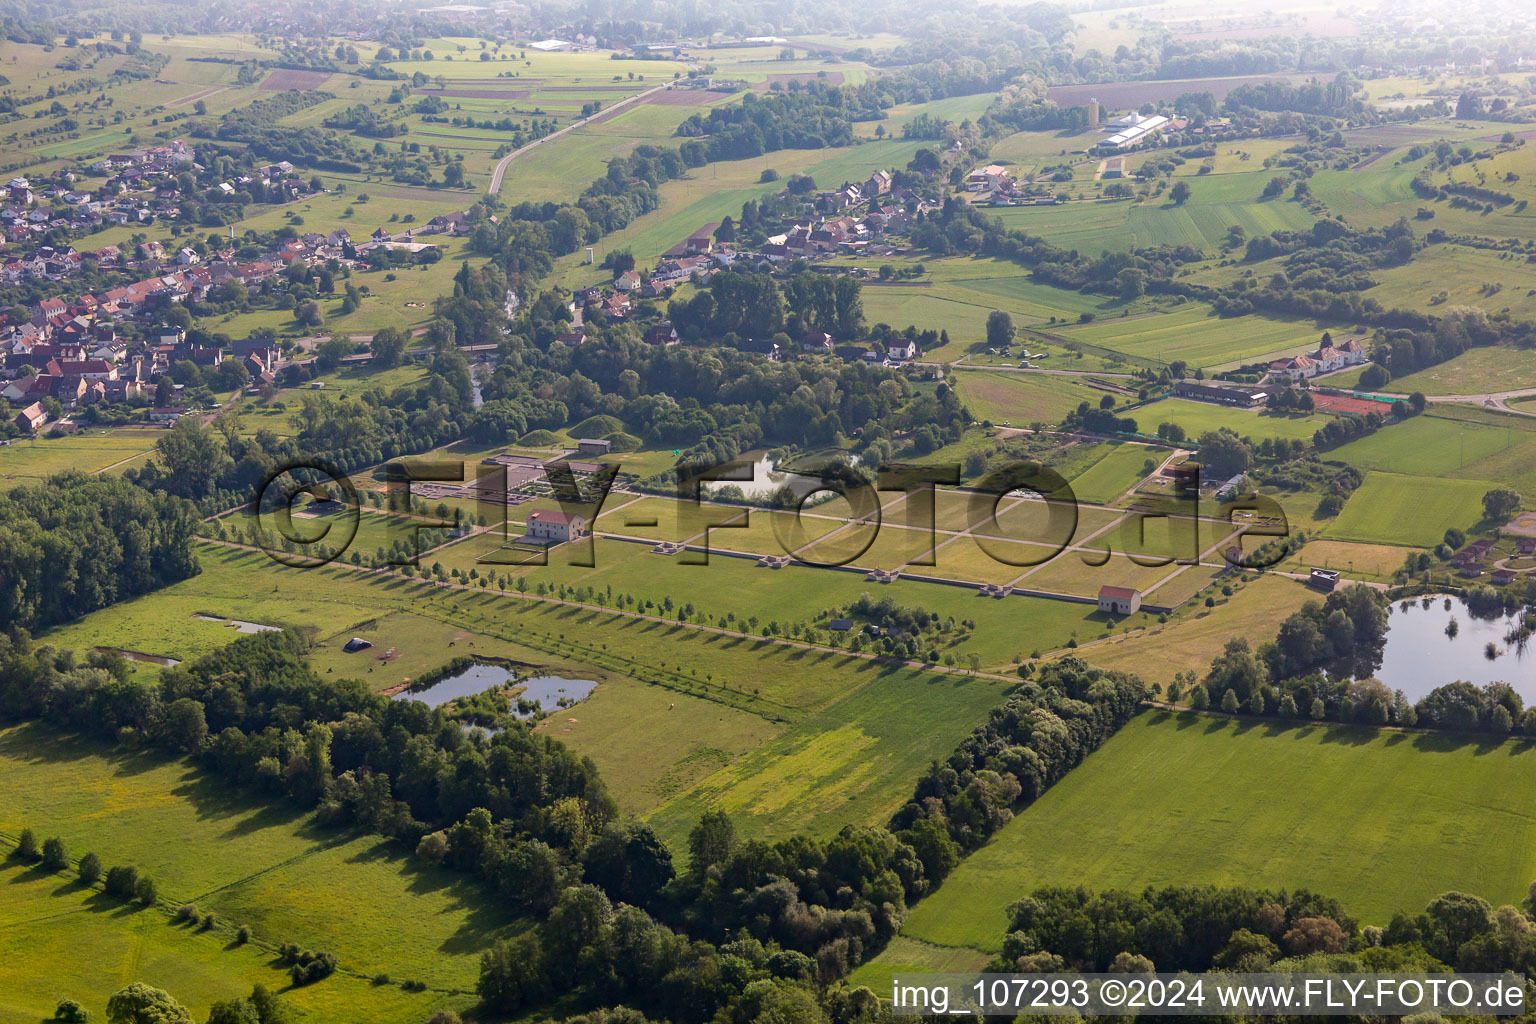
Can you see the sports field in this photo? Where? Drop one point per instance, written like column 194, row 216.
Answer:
column 1198, row 417
column 1384, row 822
column 1390, row 508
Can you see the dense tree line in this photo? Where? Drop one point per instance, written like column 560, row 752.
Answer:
column 813, row 118
column 711, row 403
column 78, row 543
column 753, row 305
column 221, row 466
column 1177, row 928
column 1319, row 666
column 1042, row 731
column 1203, row 928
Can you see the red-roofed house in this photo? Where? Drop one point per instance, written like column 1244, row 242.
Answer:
column 31, row 418
column 547, row 527
column 1296, row 368
column 1119, row 600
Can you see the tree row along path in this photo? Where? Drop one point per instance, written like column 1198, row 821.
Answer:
column 639, row 616
column 597, row 118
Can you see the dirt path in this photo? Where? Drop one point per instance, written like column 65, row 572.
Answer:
column 197, row 96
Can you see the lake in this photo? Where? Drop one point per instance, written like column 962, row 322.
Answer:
column 1420, row 656
column 477, row 678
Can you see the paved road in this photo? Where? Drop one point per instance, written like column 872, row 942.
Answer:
column 1492, row 399
column 603, row 115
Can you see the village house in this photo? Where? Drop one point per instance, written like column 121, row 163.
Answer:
column 991, row 178
column 903, row 350
column 817, row 341
column 762, row 348
column 662, row 334
column 30, row 419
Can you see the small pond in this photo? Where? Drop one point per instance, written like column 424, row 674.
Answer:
column 548, row 691
column 240, row 625
column 149, row 659
column 1420, row 655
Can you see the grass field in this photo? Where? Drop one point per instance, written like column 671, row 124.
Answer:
column 658, row 753
column 88, row 451
column 1018, row 399
column 266, row 865
column 1382, row 822
column 1194, row 636
column 1435, row 444
column 1459, row 275
column 1191, row 333
column 1476, row 371
column 1415, row 510
column 855, row 763
column 1198, row 417
column 1117, row 472
column 1216, row 204
column 1357, row 561
column 1456, row 441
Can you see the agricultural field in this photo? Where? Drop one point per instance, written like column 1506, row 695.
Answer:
column 1391, row 508
column 1116, row 473
column 1018, row 399
column 1216, row 204
column 1453, row 441
column 28, row 460
column 1457, row 275
column 267, row 866
column 1193, row 334
column 725, row 676
column 1356, row 561
column 1184, row 799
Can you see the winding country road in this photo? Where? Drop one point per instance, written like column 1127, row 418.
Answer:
column 1493, row 399
column 602, row 115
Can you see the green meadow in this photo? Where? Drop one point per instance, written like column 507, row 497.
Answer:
column 29, row 460
column 1117, row 472
column 1198, row 417
column 1217, row 203
column 1018, row 399
column 1193, row 334
column 266, row 865
column 1391, row 508
column 1476, row 371
column 1383, row 822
